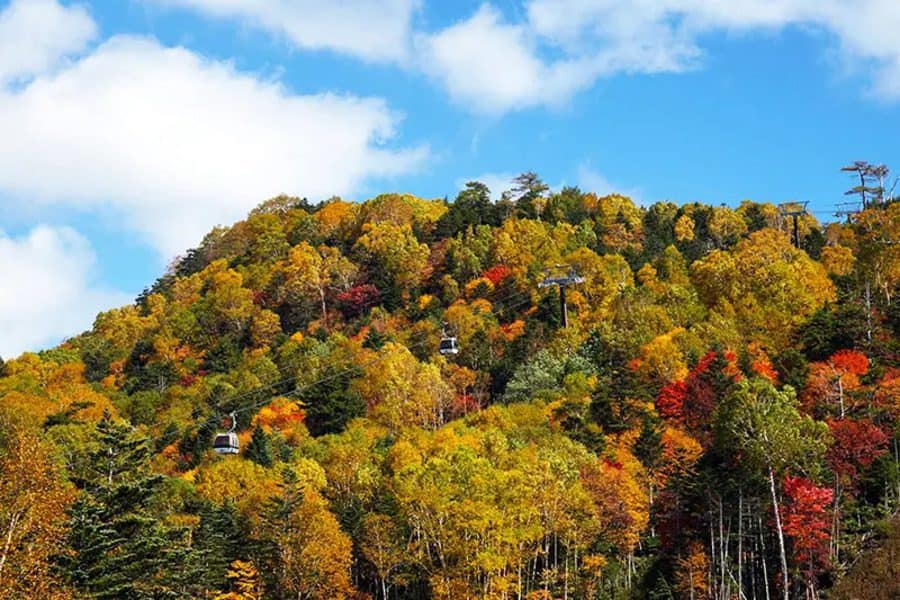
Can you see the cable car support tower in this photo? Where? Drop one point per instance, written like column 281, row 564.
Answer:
column 561, row 276
column 795, row 210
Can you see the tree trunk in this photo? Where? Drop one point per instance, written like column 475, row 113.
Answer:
column 13, row 523
column 324, row 308
column 740, row 550
column 781, row 551
column 762, row 554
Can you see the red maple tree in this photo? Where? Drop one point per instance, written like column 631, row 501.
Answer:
column 806, row 520
column 857, row 443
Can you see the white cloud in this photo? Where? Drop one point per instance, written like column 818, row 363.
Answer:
column 492, row 66
column 35, row 35
column 48, row 290
column 176, row 144
column 373, row 30
column 649, row 35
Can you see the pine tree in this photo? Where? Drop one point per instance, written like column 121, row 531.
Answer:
column 117, row 546
column 217, row 543
column 259, row 449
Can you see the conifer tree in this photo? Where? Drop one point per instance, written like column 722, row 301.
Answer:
column 217, row 543
column 259, row 449
column 118, row 548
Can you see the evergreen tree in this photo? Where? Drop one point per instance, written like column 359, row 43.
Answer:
column 118, row 548
column 648, row 446
column 331, row 403
column 472, row 206
column 259, row 450
column 217, row 543
column 529, row 191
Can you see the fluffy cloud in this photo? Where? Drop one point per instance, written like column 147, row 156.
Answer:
column 175, row 144
column 48, row 289
column 653, row 35
column 36, row 34
column 492, row 65
column 373, row 30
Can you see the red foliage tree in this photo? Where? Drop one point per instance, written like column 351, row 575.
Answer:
column 857, row 443
column 763, row 368
column 463, row 404
column 806, row 520
column 691, row 402
column 496, row 274
column 357, row 299
column 832, row 384
column 670, row 402
column 850, row 361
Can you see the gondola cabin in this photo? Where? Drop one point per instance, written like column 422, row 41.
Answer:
column 448, row 345
column 226, row 443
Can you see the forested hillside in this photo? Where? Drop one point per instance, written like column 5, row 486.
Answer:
column 718, row 419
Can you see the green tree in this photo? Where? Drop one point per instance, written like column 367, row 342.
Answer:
column 259, row 449
column 217, row 541
column 472, row 207
column 763, row 426
column 118, row 546
column 529, row 190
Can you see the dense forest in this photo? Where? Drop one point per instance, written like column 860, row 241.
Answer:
column 715, row 416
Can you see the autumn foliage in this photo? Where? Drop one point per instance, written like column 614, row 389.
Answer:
column 718, row 420
column 806, row 517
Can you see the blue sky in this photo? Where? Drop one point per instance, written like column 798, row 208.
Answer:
column 131, row 127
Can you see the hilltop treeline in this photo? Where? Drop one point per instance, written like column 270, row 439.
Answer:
column 717, row 420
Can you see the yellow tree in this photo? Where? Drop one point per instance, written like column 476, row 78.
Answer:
column 838, row 260
column 605, row 276
column 692, row 574
column 264, row 328
column 244, row 581
column 726, row 226
column 619, row 223
column 397, row 251
column 242, row 482
column 228, row 304
column 402, row 392
column 310, row 273
column 878, row 254
column 382, row 545
column 36, row 389
column 684, row 228
column 662, row 359
column 33, row 502
column 768, row 285
column 523, row 244
column 314, row 555
column 337, row 219
column 403, row 209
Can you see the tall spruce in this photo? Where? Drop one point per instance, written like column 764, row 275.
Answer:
column 216, row 543
column 259, row 449
column 117, row 545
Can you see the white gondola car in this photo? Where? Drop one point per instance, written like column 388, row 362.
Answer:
column 226, row 442
column 448, row 345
